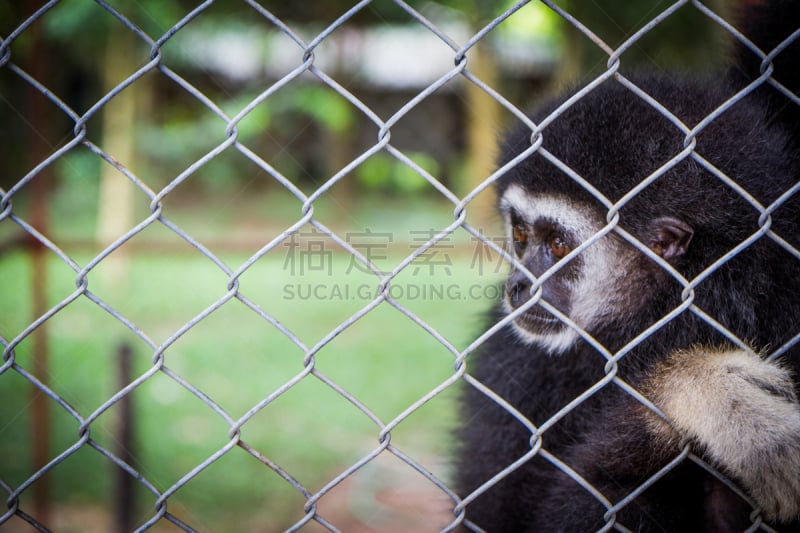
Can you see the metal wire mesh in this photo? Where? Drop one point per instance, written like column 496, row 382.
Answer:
column 235, row 427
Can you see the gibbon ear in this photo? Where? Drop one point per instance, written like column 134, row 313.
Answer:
column 670, row 237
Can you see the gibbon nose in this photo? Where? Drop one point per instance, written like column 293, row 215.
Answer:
column 518, row 289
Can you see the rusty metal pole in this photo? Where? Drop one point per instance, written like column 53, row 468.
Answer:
column 38, row 150
column 125, row 503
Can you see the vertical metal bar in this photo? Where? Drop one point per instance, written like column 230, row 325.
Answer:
column 126, row 433
column 38, row 151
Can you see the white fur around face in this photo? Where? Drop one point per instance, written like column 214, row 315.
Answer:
column 557, row 208
column 596, row 289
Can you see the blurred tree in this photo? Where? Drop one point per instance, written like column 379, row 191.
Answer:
column 483, row 111
column 124, row 53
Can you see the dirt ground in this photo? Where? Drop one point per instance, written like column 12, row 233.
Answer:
column 386, row 496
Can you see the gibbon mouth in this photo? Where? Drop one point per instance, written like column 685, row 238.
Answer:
column 537, row 320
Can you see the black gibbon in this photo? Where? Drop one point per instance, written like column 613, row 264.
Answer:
column 677, row 254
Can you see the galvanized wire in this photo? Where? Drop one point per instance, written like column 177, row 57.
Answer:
column 307, row 65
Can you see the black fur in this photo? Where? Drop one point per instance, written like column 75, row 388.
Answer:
column 614, row 140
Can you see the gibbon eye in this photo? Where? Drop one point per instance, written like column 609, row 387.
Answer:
column 559, row 247
column 520, row 235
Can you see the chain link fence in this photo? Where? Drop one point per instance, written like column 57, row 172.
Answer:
column 93, row 409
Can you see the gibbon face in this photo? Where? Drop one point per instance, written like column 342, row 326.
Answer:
column 578, row 269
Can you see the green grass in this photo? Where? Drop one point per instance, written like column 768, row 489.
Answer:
column 237, row 358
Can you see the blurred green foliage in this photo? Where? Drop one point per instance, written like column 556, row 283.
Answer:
column 384, row 173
